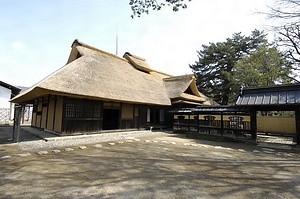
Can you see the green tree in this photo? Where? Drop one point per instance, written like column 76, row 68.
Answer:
column 216, row 62
column 139, row 7
column 266, row 66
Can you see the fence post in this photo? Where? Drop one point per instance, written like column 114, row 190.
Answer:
column 222, row 124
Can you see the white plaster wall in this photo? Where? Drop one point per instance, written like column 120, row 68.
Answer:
column 4, row 97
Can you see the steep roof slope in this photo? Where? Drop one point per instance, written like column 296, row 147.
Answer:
column 95, row 74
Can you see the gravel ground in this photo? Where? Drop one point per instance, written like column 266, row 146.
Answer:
column 85, row 139
column 159, row 166
column 29, row 141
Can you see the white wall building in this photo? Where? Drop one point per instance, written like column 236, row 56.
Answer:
column 7, row 92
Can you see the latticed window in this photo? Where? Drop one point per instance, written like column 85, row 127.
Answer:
column 97, row 111
column 76, row 108
column 79, row 110
column 70, row 110
column 89, row 110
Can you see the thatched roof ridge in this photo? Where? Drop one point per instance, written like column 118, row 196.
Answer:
column 76, row 43
column 141, row 64
column 181, row 77
column 134, row 56
column 138, row 62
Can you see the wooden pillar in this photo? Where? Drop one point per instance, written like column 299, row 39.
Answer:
column 189, row 122
column 47, row 114
column 297, row 117
column 17, row 123
column 101, row 115
column 222, row 124
column 120, row 116
column 37, row 110
column 253, row 124
column 139, row 116
column 54, row 112
column 198, row 123
column 41, row 121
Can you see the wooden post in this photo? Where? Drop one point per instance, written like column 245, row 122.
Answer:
column 198, row 123
column 47, row 114
column 22, row 114
column 14, row 126
column 17, row 122
column 297, row 117
column 54, row 112
column 253, row 124
column 37, row 109
column 189, row 122
column 222, row 124
column 42, row 111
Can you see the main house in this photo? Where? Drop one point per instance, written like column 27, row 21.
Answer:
column 98, row 91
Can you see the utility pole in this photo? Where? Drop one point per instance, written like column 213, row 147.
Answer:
column 117, row 42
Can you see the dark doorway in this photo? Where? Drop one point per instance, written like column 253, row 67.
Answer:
column 154, row 116
column 110, row 119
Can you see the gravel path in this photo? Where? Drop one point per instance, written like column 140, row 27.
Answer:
column 29, row 141
column 84, row 139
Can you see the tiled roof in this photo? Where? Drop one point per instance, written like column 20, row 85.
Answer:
column 272, row 95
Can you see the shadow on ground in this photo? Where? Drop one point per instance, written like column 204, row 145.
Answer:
column 165, row 166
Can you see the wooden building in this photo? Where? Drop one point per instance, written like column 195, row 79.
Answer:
column 98, row 91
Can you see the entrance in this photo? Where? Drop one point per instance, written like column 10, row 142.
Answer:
column 110, row 119
column 154, row 116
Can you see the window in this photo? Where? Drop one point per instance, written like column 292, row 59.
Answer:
column 78, row 108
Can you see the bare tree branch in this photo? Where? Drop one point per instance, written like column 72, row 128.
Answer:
column 287, row 16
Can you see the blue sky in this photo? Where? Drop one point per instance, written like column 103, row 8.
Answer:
column 36, row 35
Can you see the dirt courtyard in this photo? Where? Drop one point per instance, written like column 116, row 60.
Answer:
column 164, row 166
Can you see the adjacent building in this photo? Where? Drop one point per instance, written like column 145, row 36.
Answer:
column 7, row 92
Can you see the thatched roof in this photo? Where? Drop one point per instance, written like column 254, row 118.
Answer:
column 94, row 74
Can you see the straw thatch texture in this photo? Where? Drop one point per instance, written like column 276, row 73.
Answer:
column 138, row 62
column 95, row 74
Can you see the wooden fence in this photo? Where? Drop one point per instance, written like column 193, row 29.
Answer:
column 225, row 125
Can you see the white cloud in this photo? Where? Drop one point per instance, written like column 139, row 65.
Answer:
column 17, row 45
